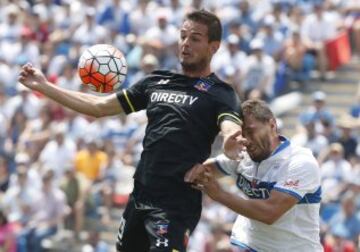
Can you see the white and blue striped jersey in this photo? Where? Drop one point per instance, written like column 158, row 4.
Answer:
column 290, row 169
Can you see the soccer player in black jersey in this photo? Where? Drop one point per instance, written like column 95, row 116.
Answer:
column 185, row 112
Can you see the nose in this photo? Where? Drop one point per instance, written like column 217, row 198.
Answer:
column 185, row 42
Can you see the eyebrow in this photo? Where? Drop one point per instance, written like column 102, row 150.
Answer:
column 193, row 32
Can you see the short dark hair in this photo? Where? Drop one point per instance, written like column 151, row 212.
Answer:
column 210, row 20
column 258, row 109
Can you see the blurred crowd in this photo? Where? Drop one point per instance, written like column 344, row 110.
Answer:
column 60, row 170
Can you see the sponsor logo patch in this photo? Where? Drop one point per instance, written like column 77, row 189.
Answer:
column 291, row 183
column 162, row 242
column 202, row 86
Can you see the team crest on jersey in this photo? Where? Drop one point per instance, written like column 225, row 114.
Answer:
column 161, row 228
column 202, row 86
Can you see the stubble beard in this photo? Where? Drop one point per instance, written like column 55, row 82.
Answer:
column 264, row 154
column 196, row 66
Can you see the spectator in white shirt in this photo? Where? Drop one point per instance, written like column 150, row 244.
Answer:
column 317, row 28
column 51, row 211
column 336, row 173
column 309, row 138
column 10, row 29
column 259, row 72
column 89, row 33
column 68, row 79
column 25, row 100
column 230, row 56
column 59, row 152
column 21, row 200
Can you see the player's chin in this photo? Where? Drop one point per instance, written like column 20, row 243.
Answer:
column 257, row 156
column 188, row 65
column 185, row 61
column 188, row 58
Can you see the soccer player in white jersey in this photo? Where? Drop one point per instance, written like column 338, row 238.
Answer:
column 281, row 184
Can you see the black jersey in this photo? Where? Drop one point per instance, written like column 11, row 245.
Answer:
column 184, row 115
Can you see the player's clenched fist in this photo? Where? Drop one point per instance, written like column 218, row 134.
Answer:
column 31, row 77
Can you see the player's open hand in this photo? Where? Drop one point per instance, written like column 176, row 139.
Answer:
column 32, row 77
column 234, row 145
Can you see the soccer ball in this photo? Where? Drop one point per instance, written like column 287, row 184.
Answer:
column 102, row 68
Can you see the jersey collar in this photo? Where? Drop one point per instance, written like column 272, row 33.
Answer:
column 284, row 143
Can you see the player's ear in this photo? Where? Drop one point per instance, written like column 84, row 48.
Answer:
column 273, row 123
column 214, row 46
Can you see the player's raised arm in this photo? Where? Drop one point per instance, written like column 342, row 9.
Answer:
column 233, row 142
column 92, row 105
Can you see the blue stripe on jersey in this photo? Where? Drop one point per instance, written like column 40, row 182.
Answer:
column 292, row 193
column 284, row 143
column 218, row 166
column 262, row 191
column 311, row 198
column 241, row 245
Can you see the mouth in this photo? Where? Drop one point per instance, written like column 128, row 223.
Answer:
column 253, row 152
column 185, row 54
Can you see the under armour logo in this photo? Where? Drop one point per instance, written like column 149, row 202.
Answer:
column 163, row 81
column 162, row 242
column 121, row 230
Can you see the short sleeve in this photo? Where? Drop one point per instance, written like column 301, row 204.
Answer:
column 301, row 178
column 228, row 107
column 134, row 98
column 226, row 165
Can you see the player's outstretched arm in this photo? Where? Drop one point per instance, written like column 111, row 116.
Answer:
column 267, row 211
column 264, row 210
column 96, row 106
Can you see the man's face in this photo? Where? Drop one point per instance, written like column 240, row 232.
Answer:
column 349, row 207
column 233, row 48
column 195, row 50
column 162, row 22
column 319, row 104
column 296, row 37
column 59, row 138
column 259, row 136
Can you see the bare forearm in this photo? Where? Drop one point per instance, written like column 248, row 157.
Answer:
column 83, row 103
column 254, row 209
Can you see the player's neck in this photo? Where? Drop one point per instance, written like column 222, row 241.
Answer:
column 197, row 73
column 275, row 143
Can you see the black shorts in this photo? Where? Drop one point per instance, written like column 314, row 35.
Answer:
column 145, row 227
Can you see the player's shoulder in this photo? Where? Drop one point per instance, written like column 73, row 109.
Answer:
column 219, row 84
column 302, row 158
column 299, row 151
column 221, row 90
column 162, row 73
column 158, row 77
